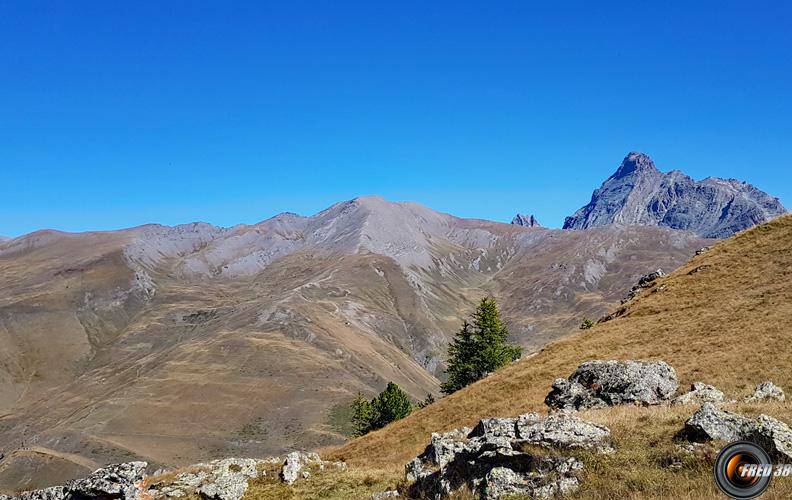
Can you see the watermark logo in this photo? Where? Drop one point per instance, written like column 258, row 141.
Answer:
column 743, row 470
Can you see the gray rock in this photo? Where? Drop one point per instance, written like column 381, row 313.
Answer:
column 525, row 220
column 385, row 494
column 120, row 481
column 295, row 461
column 229, row 479
column 700, row 393
column 489, row 462
column 564, row 431
column 764, row 391
column 495, row 428
column 710, row 423
column 606, row 383
column 638, row 193
column 773, row 435
column 644, row 282
column 52, row 493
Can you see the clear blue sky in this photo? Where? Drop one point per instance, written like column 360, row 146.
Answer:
column 114, row 114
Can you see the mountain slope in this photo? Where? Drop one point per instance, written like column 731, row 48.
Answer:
column 722, row 318
column 180, row 344
column 638, row 193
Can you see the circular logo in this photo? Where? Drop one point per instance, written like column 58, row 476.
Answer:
column 743, row 470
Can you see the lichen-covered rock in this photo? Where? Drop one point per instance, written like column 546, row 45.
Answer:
column 773, row 435
column 766, row 391
column 710, row 423
column 700, row 393
column 229, row 479
column 606, row 383
column 495, row 428
column 119, row 481
column 294, row 463
column 564, row 431
column 492, row 462
column 52, row 493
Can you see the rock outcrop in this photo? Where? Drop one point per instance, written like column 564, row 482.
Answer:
column 640, row 194
column 491, row 460
column 711, row 423
column 294, row 464
column 525, row 220
column 644, row 282
column 228, row 479
column 596, row 384
column 766, row 391
column 700, row 393
column 120, row 481
column 225, row 479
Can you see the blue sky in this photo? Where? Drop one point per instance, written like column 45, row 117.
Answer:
column 116, row 114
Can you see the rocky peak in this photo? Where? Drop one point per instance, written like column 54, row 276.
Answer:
column 635, row 162
column 639, row 194
column 525, row 220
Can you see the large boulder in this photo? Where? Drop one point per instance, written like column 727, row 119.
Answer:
column 606, row 383
column 492, row 461
column 711, row 423
column 773, row 435
column 700, row 393
column 766, row 391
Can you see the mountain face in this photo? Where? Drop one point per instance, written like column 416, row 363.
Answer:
column 525, row 220
column 638, row 193
column 181, row 344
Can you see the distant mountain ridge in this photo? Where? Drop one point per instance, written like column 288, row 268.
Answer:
column 638, row 193
column 186, row 343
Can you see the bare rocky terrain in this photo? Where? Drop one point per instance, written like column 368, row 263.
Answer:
column 638, row 193
column 182, row 344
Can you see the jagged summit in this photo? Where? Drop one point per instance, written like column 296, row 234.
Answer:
column 636, row 162
column 525, row 220
column 638, row 193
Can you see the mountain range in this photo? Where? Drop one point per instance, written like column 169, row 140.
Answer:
column 179, row 344
column 638, row 193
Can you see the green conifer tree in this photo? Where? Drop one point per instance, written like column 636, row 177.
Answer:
column 361, row 415
column 392, row 404
column 479, row 349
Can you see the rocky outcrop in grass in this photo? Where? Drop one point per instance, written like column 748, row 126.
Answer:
column 710, row 423
column 506, row 456
column 121, row 481
column 766, row 391
column 700, row 393
column 597, row 384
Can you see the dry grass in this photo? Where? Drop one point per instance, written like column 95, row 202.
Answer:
column 722, row 318
column 330, row 485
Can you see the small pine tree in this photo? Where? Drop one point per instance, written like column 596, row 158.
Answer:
column 392, row 404
column 461, row 360
column 479, row 349
column 586, row 324
column 361, row 415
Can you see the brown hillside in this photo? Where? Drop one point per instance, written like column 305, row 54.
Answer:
column 722, row 318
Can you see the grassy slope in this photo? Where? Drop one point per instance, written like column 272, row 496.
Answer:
column 726, row 324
